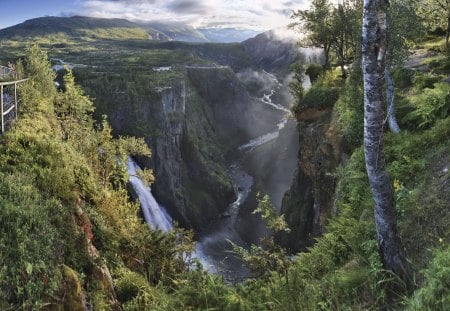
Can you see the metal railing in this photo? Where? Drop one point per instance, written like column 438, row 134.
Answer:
column 9, row 102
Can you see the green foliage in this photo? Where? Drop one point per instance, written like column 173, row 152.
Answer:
column 296, row 86
column 268, row 257
column 129, row 285
column 274, row 222
column 319, row 97
column 62, row 201
column 440, row 64
column 435, row 293
column 40, row 88
column 29, row 242
column 426, row 80
column 313, row 71
column 349, row 113
column 429, row 106
column 403, row 78
column 401, row 15
column 332, row 27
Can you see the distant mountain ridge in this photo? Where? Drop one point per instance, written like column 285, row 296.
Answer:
column 115, row 28
column 78, row 26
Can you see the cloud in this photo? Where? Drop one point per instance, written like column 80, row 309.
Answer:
column 254, row 14
column 188, row 6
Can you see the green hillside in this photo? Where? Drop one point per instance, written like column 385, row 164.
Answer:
column 79, row 27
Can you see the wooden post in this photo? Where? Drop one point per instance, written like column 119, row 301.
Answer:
column 1, row 104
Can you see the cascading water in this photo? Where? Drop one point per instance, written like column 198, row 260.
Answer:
column 154, row 214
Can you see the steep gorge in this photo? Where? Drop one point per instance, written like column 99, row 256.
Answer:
column 211, row 116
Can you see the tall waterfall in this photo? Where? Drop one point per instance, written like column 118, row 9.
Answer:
column 155, row 215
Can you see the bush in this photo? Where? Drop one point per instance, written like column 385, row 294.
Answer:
column 313, row 71
column 30, row 247
column 319, row 97
column 429, row 106
column 350, row 114
column 435, row 294
column 403, row 77
column 129, row 284
column 424, row 80
column 440, row 65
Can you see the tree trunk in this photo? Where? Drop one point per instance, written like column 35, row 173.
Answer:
column 392, row 119
column 326, row 51
column 374, row 46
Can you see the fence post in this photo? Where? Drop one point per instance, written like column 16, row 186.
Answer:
column 16, row 101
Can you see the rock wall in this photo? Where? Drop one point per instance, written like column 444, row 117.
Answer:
column 310, row 201
column 191, row 181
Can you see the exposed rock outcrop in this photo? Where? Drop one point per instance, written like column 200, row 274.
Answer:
column 309, row 202
column 188, row 161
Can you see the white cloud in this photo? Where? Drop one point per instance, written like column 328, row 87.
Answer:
column 260, row 15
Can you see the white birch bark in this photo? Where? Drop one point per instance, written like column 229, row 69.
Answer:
column 374, row 46
column 392, row 119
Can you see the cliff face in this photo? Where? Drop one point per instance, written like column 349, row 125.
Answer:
column 309, row 202
column 191, row 181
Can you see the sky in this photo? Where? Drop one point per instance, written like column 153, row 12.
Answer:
column 251, row 14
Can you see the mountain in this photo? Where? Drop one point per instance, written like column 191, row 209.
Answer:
column 177, row 31
column 80, row 27
column 115, row 28
column 227, row 35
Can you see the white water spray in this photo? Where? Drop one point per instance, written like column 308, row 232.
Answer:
column 154, row 214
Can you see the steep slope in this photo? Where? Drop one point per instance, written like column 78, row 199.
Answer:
column 79, row 27
column 188, row 163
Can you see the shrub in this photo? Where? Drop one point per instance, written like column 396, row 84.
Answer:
column 435, row 294
column 313, row 71
column 424, row 80
column 129, row 284
column 319, row 97
column 403, row 77
column 429, row 106
column 349, row 114
column 29, row 243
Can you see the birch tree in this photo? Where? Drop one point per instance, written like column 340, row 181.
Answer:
column 374, row 48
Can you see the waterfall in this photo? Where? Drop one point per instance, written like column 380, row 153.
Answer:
column 154, row 214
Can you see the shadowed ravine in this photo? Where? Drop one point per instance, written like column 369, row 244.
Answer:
column 264, row 164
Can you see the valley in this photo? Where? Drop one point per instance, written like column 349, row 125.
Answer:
column 207, row 111
column 166, row 165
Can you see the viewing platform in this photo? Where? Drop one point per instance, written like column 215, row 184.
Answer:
column 9, row 101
